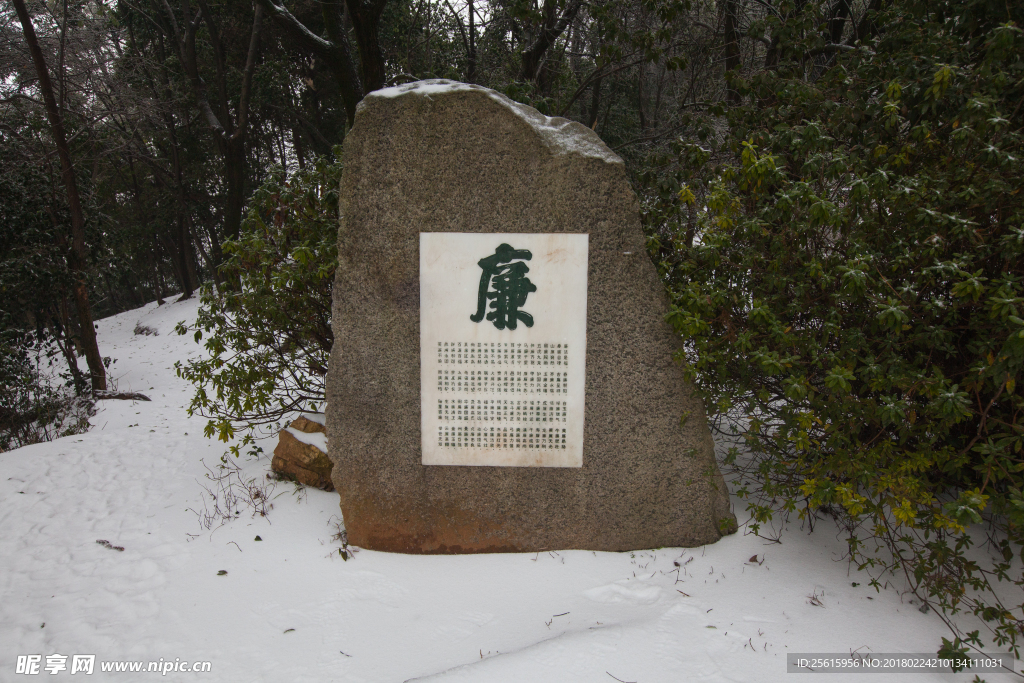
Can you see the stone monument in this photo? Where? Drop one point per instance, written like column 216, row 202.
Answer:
column 502, row 375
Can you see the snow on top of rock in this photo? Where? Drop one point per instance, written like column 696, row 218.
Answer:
column 561, row 135
column 434, row 86
column 315, row 439
column 319, row 418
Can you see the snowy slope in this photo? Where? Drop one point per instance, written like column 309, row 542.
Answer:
column 289, row 608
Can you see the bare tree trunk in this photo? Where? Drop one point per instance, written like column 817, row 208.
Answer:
column 66, row 344
column 365, row 18
column 732, row 47
column 77, row 256
column 471, row 57
column 178, row 262
column 181, row 247
column 340, row 58
column 158, row 284
column 640, row 99
column 153, row 254
column 595, row 104
column 613, row 92
column 553, row 26
column 193, row 259
column 336, row 52
column 840, row 13
column 183, row 238
column 234, row 169
column 299, row 149
column 866, row 27
column 229, row 133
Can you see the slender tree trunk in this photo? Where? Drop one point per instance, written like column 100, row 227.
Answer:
column 613, row 92
column 595, row 104
column 657, row 96
column 181, row 247
column 77, row 256
column 65, row 343
column 177, row 263
column 300, row 155
column 234, row 171
column 140, row 214
column 216, row 255
column 866, row 27
column 365, row 18
column 158, row 285
column 839, row 16
column 471, row 57
column 182, row 238
column 835, row 26
column 732, row 47
column 640, row 99
column 553, row 26
column 192, row 258
column 230, row 135
column 336, row 52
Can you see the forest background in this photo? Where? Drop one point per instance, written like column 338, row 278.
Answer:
column 830, row 189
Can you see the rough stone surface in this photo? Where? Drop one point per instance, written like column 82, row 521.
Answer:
column 302, row 462
column 442, row 157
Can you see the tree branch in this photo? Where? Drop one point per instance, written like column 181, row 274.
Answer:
column 462, row 29
column 552, row 29
column 837, row 47
column 319, row 46
column 336, row 51
column 19, row 96
column 187, row 49
column 250, row 67
column 219, row 61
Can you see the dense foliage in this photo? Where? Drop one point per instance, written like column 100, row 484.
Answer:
column 847, row 261
column 269, row 341
column 38, row 339
column 34, row 279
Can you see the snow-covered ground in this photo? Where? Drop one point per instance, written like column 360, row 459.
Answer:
column 290, row 609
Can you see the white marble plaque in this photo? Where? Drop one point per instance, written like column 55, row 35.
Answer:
column 503, row 344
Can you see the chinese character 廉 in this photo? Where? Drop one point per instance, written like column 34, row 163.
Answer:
column 505, row 284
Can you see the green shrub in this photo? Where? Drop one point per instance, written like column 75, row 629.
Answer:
column 34, row 406
column 269, row 338
column 38, row 402
column 847, row 263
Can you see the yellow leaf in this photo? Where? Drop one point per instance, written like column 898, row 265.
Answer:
column 686, row 195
